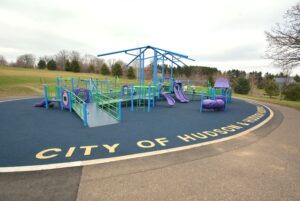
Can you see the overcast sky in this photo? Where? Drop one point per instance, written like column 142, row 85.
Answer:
column 224, row 34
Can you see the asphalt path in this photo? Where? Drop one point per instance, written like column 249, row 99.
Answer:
column 262, row 165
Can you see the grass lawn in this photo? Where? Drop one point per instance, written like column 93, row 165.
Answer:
column 29, row 82
column 274, row 100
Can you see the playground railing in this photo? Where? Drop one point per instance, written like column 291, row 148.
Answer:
column 109, row 105
column 79, row 106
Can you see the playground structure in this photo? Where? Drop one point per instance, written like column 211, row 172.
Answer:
column 218, row 97
column 100, row 102
column 96, row 102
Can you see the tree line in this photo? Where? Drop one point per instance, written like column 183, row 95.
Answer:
column 72, row 61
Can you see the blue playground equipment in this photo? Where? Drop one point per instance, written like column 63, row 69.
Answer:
column 82, row 96
column 159, row 54
column 100, row 102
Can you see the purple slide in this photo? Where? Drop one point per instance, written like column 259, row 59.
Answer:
column 40, row 104
column 43, row 104
column 169, row 98
column 179, row 96
column 183, row 95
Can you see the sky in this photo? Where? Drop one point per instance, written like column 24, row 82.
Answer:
column 224, row 34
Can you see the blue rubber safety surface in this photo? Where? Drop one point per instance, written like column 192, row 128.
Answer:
column 26, row 131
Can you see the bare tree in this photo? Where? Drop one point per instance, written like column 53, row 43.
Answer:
column 26, row 60
column 75, row 56
column 87, row 61
column 284, row 41
column 3, row 61
column 45, row 58
column 61, row 58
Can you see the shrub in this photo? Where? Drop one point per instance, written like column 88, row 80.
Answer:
column 130, row 73
column 292, row 92
column 272, row 88
column 242, row 86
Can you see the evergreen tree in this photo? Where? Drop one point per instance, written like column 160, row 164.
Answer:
column 131, row 73
column 272, row 88
column 117, row 70
column 104, row 69
column 91, row 68
column 242, row 86
column 297, row 78
column 68, row 66
column 42, row 64
column 51, row 65
column 75, row 67
column 211, row 80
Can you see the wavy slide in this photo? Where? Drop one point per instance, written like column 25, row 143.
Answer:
column 169, row 98
column 180, row 95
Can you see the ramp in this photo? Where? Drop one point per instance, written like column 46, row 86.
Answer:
column 97, row 117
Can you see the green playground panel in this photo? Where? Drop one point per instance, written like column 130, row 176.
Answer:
column 53, row 93
column 77, row 105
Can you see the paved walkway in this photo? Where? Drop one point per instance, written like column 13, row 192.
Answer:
column 263, row 165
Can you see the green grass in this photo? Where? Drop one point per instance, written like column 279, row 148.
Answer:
column 29, row 82
column 274, row 100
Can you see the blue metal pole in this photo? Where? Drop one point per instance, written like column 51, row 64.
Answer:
column 46, row 96
column 91, row 90
column 149, row 100
column 225, row 106
column 61, row 98
column 155, row 68
column 201, row 102
column 70, row 101
column 120, row 110
column 132, row 108
column 171, row 77
column 84, row 115
column 142, row 70
column 163, row 70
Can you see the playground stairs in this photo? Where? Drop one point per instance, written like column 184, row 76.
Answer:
column 97, row 117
